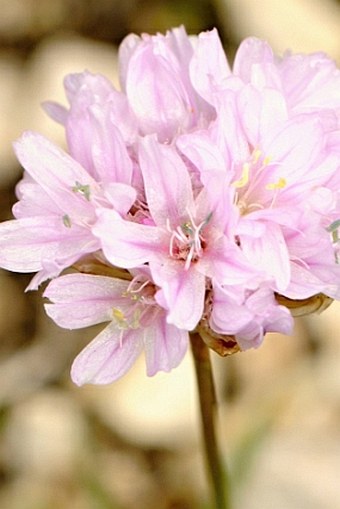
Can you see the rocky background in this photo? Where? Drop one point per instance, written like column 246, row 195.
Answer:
column 136, row 444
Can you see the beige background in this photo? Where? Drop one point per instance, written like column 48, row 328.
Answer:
column 135, row 444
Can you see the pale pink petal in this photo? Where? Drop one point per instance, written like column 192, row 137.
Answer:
column 167, row 182
column 296, row 148
column 33, row 200
column 209, row 66
column 80, row 300
column 199, row 148
column 228, row 315
column 165, row 345
column 262, row 112
column 109, row 152
column 310, row 81
column 127, row 244
column 308, row 280
column 125, row 51
column 26, row 243
column 227, row 130
column 108, row 357
column 268, row 317
column 156, row 92
column 56, row 172
column 182, row 46
column 56, row 111
column 182, row 293
column 97, row 109
column 87, row 86
column 269, row 253
column 121, row 196
column 251, row 51
column 225, row 262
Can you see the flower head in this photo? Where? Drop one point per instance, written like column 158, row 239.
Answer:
column 199, row 197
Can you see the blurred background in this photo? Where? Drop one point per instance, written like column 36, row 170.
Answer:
column 136, row 444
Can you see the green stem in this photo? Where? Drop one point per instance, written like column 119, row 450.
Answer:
column 207, row 398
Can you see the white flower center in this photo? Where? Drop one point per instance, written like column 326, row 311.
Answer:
column 187, row 242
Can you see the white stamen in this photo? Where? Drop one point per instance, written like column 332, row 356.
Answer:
column 186, row 240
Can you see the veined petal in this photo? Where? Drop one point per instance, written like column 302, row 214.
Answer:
column 269, row 253
column 121, row 196
column 109, row 153
column 296, row 147
column 229, row 316
column 167, row 182
column 251, row 51
column 182, row 293
column 262, row 112
column 127, row 244
column 164, row 344
column 85, row 88
column 33, row 200
column 56, row 172
column 199, row 148
column 125, row 51
column 81, row 300
column 26, row 243
column 224, row 262
column 228, row 131
column 155, row 89
column 108, row 357
column 209, row 66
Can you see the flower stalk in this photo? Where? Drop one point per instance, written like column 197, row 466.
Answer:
column 207, row 398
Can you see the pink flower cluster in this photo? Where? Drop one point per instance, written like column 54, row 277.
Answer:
column 195, row 198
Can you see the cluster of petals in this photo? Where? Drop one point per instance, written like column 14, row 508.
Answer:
column 204, row 191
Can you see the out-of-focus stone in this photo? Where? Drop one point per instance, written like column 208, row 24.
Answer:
column 30, row 18
column 44, row 361
column 13, row 309
column 306, row 25
column 294, row 471
column 129, row 479
column 11, row 90
column 326, row 326
column 44, row 435
column 156, row 411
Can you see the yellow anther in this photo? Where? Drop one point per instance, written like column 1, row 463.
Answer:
column 243, row 181
column 256, row 155
column 280, row 184
column 266, row 160
column 118, row 315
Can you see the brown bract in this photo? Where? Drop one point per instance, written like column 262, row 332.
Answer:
column 315, row 304
column 222, row 344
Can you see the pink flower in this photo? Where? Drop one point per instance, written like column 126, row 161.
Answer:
column 183, row 242
column 55, row 212
column 308, row 82
column 155, row 75
column 257, row 313
column 136, row 323
column 282, row 180
column 99, row 126
column 216, row 188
